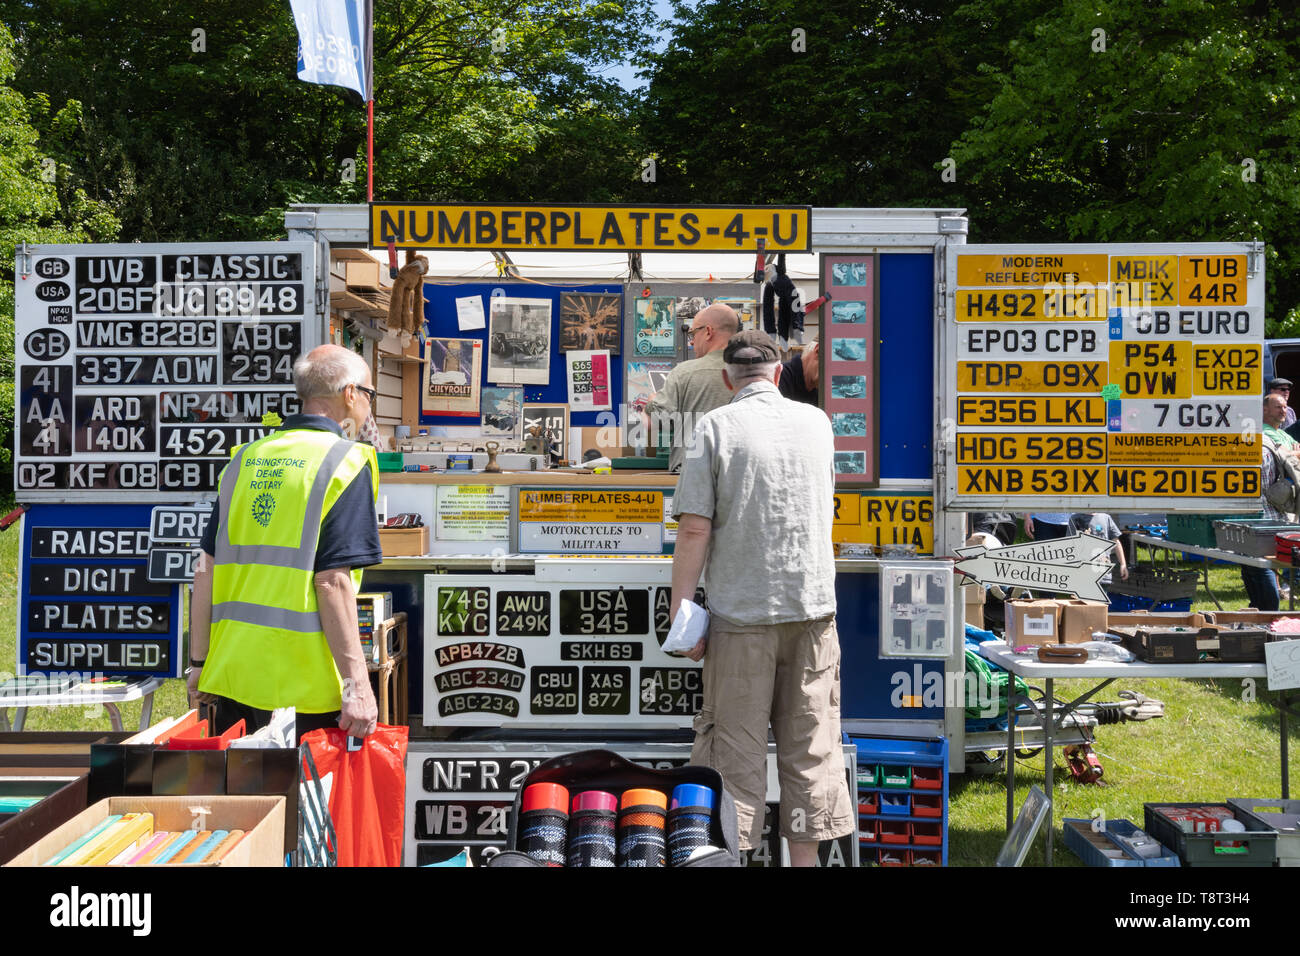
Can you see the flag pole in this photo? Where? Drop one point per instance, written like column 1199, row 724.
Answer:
column 370, row 150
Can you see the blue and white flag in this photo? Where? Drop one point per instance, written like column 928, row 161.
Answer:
column 335, row 43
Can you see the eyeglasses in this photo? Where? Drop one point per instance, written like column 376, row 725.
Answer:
column 690, row 333
column 370, row 392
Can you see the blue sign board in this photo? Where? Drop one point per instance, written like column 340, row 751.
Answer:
column 86, row 605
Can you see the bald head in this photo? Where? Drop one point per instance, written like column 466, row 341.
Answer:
column 713, row 328
column 330, row 381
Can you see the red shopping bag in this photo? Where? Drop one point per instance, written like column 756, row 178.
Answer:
column 367, row 793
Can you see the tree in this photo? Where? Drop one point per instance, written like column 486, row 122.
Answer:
column 37, row 205
column 196, row 126
column 829, row 102
column 1175, row 122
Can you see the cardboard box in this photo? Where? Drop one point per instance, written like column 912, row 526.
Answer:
column 261, row 819
column 1032, row 622
column 1080, row 618
column 975, row 598
column 404, row 542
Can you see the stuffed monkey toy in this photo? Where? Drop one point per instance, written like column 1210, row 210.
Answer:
column 406, row 301
column 783, row 311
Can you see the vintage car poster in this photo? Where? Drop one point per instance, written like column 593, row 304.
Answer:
column 519, row 341
column 654, row 328
column 451, row 377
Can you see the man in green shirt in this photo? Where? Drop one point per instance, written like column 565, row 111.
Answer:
column 1274, row 419
column 696, row 386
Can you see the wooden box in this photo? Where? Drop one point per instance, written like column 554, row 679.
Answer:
column 404, row 542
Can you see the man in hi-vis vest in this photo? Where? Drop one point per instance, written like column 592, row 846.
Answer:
column 274, row 617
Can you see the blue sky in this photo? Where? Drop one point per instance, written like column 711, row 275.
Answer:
column 625, row 75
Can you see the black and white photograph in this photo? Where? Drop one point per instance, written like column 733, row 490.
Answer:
column 849, row 350
column 850, row 462
column 848, row 273
column 688, row 306
column 853, row 313
column 848, row 386
column 849, row 424
column 519, row 341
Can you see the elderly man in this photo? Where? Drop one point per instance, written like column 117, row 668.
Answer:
column 695, row 386
column 800, row 375
column 1261, row 583
column 756, row 499
column 274, row 618
column 1282, row 386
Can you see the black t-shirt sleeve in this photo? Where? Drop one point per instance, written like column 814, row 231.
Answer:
column 209, row 541
column 349, row 535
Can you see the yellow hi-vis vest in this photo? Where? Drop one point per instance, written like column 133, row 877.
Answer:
column 267, row 648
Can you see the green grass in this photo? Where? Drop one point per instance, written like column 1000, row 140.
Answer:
column 169, row 701
column 1210, row 745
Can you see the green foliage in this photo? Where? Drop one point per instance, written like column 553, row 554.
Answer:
column 1152, row 139
column 214, row 144
column 38, row 204
column 859, row 117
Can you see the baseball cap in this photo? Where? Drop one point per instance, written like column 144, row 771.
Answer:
column 1278, row 383
column 750, row 347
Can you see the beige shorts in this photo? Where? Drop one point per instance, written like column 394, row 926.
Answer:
column 788, row 676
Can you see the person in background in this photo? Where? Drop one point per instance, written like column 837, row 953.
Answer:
column 1046, row 525
column 800, row 375
column 273, row 622
column 695, row 386
column 1101, row 525
column 1261, row 583
column 1283, row 387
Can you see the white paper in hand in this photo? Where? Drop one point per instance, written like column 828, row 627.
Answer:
column 690, row 624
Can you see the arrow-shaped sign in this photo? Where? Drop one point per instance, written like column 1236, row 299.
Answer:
column 1077, row 579
column 1082, row 548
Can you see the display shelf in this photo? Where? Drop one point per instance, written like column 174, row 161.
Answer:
column 891, row 836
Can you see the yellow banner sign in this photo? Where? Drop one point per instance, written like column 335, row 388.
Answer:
column 1032, row 305
column 1030, row 411
column 1185, row 482
column 1031, row 480
column 1029, row 269
column 1031, row 376
column 1181, row 448
column 1211, row 280
column 1152, row 369
column 884, row 519
column 579, row 228
column 1026, row 448
column 565, row 504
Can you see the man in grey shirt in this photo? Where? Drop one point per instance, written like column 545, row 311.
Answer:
column 694, row 387
column 756, row 499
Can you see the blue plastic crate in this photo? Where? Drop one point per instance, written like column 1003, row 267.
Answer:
column 1093, row 856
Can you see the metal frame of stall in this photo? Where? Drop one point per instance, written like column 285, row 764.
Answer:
column 851, row 231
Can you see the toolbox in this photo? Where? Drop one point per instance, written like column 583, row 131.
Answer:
column 1256, row 537
column 1197, row 529
column 1282, row 816
column 1169, row 823
column 1285, row 542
